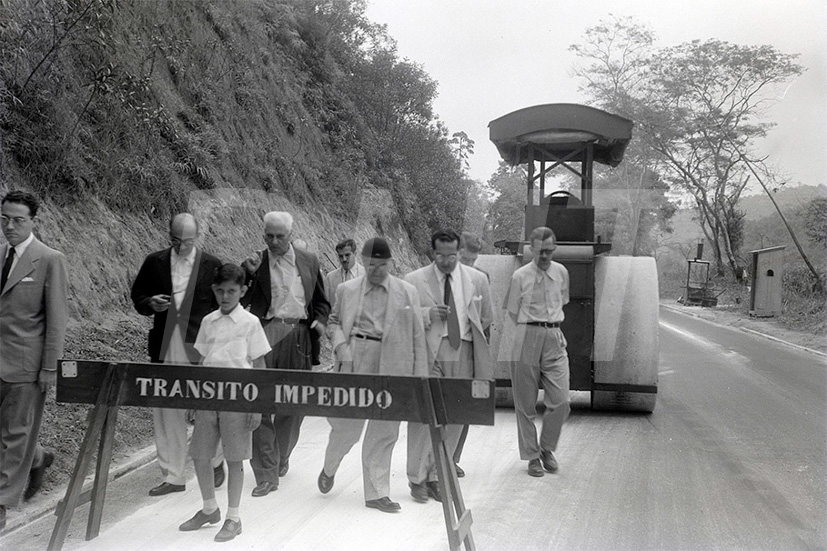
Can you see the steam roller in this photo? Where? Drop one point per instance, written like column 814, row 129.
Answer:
column 611, row 321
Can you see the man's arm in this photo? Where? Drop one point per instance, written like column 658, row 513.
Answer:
column 57, row 316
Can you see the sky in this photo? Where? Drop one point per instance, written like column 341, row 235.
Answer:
column 492, row 57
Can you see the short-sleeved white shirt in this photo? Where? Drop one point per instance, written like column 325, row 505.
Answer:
column 538, row 295
column 231, row 340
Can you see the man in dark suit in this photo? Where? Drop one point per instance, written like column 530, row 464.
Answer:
column 33, row 315
column 286, row 292
column 174, row 286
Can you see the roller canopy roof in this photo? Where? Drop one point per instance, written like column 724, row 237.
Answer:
column 560, row 128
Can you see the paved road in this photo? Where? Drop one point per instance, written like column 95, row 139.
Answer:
column 733, row 457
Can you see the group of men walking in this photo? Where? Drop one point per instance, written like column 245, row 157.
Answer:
column 434, row 321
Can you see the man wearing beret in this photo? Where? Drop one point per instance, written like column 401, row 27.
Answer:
column 376, row 329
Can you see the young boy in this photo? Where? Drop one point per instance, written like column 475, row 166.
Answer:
column 229, row 337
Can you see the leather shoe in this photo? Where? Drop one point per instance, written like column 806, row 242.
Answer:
column 2, row 517
column 419, row 492
column 433, row 491
column 549, row 462
column 325, row 482
column 264, row 488
column 534, row 468
column 200, row 519
column 460, row 472
column 285, row 466
column 36, row 475
column 218, row 475
column 166, row 488
column 384, row 504
column 230, row 530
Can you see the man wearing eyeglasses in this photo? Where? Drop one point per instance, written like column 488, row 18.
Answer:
column 455, row 303
column 33, row 315
column 535, row 301
column 174, row 286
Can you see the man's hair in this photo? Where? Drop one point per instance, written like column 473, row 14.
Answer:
column 542, row 233
column 279, row 217
column 184, row 215
column 340, row 246
column 230, row 272
column 445, row 236
column 470, row 242
column 24, row 198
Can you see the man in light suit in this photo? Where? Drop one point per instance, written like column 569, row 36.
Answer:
column 456, row 310
column 174, row 286
column 350, row 268
column 376, row 329
column 286, row 292
column 33, row 314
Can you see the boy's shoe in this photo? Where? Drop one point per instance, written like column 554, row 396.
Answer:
column 230, row 530
column 264, row 488
column 200, row 519
column 534, row 468
column 433, row 491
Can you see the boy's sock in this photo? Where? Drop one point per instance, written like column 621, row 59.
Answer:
column 233, row 514
column 210, row 505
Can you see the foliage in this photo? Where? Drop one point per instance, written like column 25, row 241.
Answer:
column 507, row 212
column 698, row 106
column 815, row 219
column 140, row 103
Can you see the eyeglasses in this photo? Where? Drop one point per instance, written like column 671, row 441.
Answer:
column 15, row 220
column 177, row 241
column 450, row 257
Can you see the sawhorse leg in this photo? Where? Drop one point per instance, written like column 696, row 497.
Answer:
column 102, row 420
column 457, row 518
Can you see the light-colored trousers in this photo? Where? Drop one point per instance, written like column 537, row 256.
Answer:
column 170, row 426
column 380, row 436
column 421, row 465
column 543, row 359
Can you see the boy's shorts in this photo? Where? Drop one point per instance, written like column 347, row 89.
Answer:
column 231, row 427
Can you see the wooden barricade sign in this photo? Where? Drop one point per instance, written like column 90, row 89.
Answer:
column 432, row 401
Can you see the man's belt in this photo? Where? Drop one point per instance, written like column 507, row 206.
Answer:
column 288, row 321
column 546, row 324
column 366, row 337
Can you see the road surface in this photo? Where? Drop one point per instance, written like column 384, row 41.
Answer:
column 733, row 457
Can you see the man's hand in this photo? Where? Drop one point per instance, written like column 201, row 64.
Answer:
column 253, row 421
column 159, row 303
column 344, row 353
column 252, row 263
column 46, row 380
column 438, row 312
column 319, row 327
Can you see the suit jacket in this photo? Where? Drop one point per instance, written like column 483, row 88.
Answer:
column 155, row 278
column 33, row 313
column 335, row 277
column 317, row 307
column 477, row 300
column 404, row 351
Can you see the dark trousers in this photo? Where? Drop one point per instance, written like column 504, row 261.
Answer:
column 21, row 410
column 275, row 438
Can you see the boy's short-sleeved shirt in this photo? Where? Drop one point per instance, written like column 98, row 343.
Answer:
column 231, row 340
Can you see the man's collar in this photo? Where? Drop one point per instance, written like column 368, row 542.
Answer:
column 441, row 275
column 385, row 284
column 189, row 259
column 21, row 247
column 289, row 255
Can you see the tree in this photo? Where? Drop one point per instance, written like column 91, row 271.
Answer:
column 815, row 215
column 507, row 211
column 463, row 147
column 698, row 107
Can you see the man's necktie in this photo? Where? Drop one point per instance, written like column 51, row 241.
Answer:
column 453, row 321
column 7, row 268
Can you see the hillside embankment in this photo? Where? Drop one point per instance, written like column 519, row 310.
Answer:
column 105, row 249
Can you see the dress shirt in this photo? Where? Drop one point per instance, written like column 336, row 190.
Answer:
column 538, row 295
column 231, row 340
column 287, row 298
column 19, row 249
column 181, row 268
column 459, row 301
column 374, row 305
